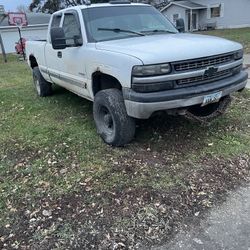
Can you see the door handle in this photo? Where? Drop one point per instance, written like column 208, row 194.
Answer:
column 59, row 54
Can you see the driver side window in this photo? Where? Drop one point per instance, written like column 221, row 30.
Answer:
column 71, row 28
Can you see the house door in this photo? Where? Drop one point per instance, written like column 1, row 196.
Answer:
column 193, row 21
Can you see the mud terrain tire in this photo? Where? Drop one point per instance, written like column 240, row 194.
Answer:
column 112, row 122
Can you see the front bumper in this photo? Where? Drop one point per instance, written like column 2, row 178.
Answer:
column 143, row 105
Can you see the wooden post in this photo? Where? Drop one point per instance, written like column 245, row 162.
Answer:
column 2, row 48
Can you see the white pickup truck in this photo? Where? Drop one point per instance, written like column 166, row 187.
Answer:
column 132, row 62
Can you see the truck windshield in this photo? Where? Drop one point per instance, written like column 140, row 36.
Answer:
column 118, row 22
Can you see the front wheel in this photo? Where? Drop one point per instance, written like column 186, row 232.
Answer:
column 112, row 122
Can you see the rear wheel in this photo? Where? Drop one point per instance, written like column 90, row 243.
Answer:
column 43, row 88
column 112, row 122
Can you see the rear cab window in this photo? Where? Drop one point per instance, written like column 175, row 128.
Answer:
column 56, row 21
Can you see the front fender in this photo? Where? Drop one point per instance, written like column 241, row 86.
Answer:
column 114, row 64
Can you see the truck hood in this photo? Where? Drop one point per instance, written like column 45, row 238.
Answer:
column 169, row 47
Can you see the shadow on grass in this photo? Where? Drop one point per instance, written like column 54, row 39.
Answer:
column 172, row 134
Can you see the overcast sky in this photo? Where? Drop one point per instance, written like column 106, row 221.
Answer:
column 10, row 5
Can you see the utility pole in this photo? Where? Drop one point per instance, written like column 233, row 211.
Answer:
column 3, row 50
column 2, row 17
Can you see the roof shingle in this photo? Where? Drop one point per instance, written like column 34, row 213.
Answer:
column 190, row 5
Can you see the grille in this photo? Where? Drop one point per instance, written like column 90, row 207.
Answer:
column 202, row 63
column 204, row 79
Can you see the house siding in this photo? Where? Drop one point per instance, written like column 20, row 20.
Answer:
column 203, row 18
column 176, row 10
column 235, row 13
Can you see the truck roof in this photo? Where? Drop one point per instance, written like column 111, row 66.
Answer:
column 97, row 5
column 109, row 4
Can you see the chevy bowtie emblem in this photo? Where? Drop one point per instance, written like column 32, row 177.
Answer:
column 210, row 71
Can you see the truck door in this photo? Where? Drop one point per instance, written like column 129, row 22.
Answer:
column 73, row 74
column 53, row 62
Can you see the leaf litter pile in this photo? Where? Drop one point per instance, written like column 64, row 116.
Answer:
column 122, row 217
column 62, row 188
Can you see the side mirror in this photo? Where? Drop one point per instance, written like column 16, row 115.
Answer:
column 58, row 39
column 180, row 25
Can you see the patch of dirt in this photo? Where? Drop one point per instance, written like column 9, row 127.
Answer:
column 14, row 150
column 132, row 218
column 169, row 135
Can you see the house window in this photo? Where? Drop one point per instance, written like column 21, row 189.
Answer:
column 175, row 18
column 216, row 11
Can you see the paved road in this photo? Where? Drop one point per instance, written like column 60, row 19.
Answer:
column 248, row 86
column 247, row 63
column 227, row 227
column 248, row 83
column 247, row 59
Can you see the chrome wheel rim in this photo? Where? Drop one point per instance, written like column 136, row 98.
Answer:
column 37, row 85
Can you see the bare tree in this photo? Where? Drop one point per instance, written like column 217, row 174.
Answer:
column 51, row 6
column 72, row 2
column 22, row 8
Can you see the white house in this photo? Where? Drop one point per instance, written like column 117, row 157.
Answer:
column 203, row 14
column 36, row 29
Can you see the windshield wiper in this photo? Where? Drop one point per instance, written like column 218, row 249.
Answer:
column 160, row 31
column 117, row 30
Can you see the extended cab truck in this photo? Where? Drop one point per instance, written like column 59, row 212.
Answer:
column 132, row 62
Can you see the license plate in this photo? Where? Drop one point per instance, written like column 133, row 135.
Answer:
column 211, row 98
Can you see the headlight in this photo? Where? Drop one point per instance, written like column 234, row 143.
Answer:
column 151, row 70
column 238, row 54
